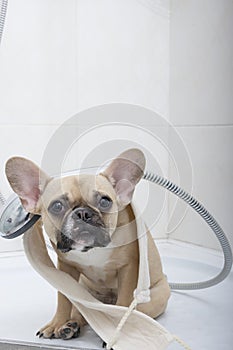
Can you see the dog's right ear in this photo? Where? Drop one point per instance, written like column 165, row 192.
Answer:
column 27, row 180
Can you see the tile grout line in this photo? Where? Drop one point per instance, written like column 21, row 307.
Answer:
column 72, row 124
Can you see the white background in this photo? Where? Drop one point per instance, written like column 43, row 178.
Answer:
column 175, row 57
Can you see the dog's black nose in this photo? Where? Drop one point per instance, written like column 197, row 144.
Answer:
column 84, row 214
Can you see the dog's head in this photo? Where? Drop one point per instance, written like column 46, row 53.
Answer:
column 80, row 211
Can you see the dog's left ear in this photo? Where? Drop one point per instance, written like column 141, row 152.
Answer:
column 124, row 173
column 27, row 180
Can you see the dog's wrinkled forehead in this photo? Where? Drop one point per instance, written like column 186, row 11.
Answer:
column 31, row 183
column 78, row 189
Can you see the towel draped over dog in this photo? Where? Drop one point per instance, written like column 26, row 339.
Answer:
column 139, row 330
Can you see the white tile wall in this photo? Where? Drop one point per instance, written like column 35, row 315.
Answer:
column 38, row 62
column 60, row 57
column 201, row 55
column 201, row 51
column 123, row 52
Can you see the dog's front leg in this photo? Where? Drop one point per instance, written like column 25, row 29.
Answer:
column 127, row 282
column 62, row 326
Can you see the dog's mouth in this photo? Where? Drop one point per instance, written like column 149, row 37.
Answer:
column 83, row 244
column 81, row 248
column 66, row 245
column 82, row 230
column 82, row 238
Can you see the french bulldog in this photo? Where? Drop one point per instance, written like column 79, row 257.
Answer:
column 91, row 225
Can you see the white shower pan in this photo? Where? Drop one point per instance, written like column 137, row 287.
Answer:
column 202, row 318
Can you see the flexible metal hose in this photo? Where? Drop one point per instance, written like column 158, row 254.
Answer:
column 3, row 17
column 198, row 207
column 209, row 219
column 2, row 200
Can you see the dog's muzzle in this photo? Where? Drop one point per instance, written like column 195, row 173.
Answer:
column 83, row 229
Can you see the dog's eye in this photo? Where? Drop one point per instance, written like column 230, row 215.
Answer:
column 105, row 202
column 56, row 207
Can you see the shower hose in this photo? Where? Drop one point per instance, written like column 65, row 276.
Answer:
column 209, row 219
column 2, row 17
column 198, row 207
column 193, row 203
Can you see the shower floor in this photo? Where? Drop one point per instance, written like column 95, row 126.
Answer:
column 203, row 319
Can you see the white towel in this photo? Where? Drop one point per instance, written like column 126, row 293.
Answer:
column 138, row 332
column 142, row 292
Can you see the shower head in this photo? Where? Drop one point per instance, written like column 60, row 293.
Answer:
column 14, row 220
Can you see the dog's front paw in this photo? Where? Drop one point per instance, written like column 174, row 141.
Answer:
column 104, row 345
column 69, row 330
column 57, row 330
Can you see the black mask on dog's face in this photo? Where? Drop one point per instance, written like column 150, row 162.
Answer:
column 79, row 212
column 82, row 226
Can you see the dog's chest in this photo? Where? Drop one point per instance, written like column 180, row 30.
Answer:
column 94, row 264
